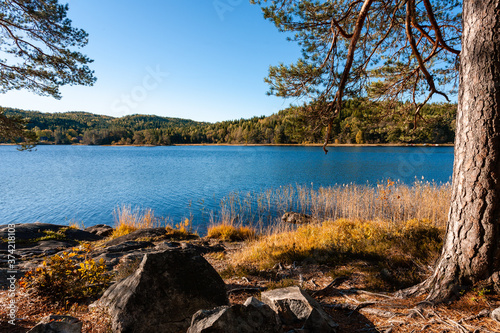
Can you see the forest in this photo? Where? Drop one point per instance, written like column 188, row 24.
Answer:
column 360, row 121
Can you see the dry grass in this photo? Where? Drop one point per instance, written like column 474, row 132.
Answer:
column 388, row 201
column 390, row 228
column 329, row 241
column 128, row 220
column 229, row 232
column 389, row 256
column 183, row 230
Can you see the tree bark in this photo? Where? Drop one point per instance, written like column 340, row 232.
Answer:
column 471, row 251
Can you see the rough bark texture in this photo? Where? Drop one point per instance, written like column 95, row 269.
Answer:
column 471, row 251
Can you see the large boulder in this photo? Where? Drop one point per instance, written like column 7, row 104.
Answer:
column 31, row 232
column 58, row 324
column 295, row 306
column 251, row 317
column 164, row 293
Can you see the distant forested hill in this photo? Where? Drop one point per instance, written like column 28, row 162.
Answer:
column 360, row 122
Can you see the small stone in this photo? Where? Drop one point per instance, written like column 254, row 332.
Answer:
column 251, row 317
column 294, row 305
column 495, row 314
column 58, row 324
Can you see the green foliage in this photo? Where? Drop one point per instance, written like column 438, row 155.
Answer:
column 39, row 39
column 365, row 49
column 14, row 129
column 36, row 44
column 377, row 122
column 70, row 276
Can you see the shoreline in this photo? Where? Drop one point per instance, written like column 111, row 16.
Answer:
column 260, row 145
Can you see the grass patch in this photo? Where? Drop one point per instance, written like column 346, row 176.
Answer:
column 331, row 241
column 128, row 220
column 182, row 231
column 231, row 233
column 388, row 201
column 45, row 235
column 395, row 252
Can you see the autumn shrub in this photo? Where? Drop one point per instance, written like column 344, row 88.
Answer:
column 69, row 276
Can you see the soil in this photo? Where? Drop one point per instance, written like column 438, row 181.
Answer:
column 343, row 297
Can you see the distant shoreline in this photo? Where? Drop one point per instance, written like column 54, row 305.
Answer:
column 261, row 145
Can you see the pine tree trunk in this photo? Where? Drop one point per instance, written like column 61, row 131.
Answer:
column 471, row 251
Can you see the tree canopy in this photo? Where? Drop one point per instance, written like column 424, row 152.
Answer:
column 37, row 52
column 359, row 122
column 397, row 50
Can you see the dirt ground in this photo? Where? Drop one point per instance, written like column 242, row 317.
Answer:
column 344, row 298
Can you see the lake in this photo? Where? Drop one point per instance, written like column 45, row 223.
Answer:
column 64, row 184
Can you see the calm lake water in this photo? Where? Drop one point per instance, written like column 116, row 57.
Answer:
column 61, row 184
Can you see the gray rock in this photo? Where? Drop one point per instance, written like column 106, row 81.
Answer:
column 252, row 317
column 30, row 231
column 58, row 324
column 128, row 246
column 102, row 230
column 495, row 314
column 320, row 322
column 150, row 233
column 164, row 293
column 295, row 306
column 296, row 218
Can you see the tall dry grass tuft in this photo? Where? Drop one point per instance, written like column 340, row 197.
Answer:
column 388, row 201
column 128, row 220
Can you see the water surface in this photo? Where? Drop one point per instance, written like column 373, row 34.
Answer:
column 63, row 184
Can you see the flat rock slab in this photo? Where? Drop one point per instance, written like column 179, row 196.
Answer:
column 102, row 230
column 164, row 293
column 58, row 324
column 24, row 232
column 129, row 246
column 251, row 317
column 148, row 233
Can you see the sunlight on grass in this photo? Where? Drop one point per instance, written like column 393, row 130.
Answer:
column 128, row 220
column 333, row 242
column 229, row 232
column 388, row 201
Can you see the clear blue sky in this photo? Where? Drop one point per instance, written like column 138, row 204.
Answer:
column 197, row 59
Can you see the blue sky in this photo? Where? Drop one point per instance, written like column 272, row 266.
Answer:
column 197, row 59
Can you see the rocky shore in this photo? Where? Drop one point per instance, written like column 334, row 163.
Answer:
column 166, row 284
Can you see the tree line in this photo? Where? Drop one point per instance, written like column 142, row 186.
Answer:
column 360, row 121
